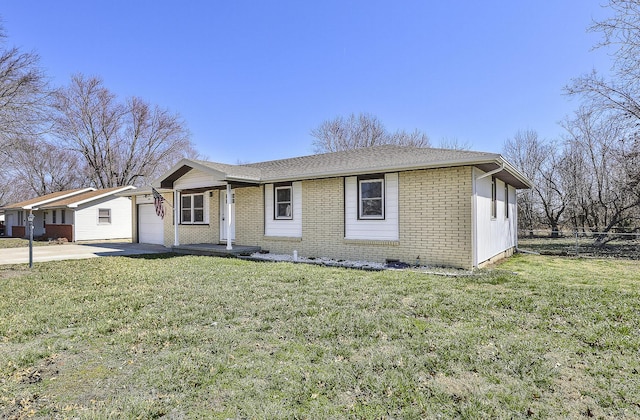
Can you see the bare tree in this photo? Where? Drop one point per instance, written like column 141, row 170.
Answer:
column 605, row 181
column 416, row 138
column 527, row 152
column 603, row 135
column 544, row 164
column 454, row 143
column 120, row 143
column 41, row 168
column 363, row 130
column 618, row 98
column 23, row 93
column 23, row 105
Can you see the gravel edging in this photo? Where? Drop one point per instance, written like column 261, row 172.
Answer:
column 357, row 265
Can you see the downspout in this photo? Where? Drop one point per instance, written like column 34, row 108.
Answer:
column 176, row 217
column 495, row 171
column 229, row 247
column 474, row 220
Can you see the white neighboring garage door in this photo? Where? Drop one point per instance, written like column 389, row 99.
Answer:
column 150, row 225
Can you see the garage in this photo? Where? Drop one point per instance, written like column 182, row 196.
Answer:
column 150, row 226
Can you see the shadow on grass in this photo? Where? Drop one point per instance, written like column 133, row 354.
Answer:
column 161, row 256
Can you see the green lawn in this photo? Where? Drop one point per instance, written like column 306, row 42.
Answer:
column 202, row 337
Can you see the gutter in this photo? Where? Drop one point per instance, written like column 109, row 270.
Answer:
column 495, row 171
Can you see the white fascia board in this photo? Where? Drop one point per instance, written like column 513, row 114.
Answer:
column 97, row 197
column 191, row 164
column 141, row 191
column 34, row 206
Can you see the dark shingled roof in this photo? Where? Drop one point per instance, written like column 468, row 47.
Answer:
column 368, row 160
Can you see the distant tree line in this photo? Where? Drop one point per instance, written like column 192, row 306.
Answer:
column 589, row 179
column 79, row 135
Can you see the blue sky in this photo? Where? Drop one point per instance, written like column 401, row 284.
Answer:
column 252, row 78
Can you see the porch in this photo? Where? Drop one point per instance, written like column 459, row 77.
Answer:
column 216, row 250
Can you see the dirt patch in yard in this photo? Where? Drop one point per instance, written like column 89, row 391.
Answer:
column 13, row 272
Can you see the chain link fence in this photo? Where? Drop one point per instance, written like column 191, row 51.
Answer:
column 581, row 243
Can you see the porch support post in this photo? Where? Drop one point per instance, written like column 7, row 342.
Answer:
column 229, row 247
column 176, row 217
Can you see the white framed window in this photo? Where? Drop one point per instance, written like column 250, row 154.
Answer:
column 283, row 202
column 371, row 198
column 494, row 198
column 104, row 216
column 53, row 217
column 20, row 218
column 192, row 208
column 62, row 217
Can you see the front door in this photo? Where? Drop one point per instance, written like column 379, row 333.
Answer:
column 223, row 216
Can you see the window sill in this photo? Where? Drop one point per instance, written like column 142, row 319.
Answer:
column 377, row 242
column 194, row 224
column 283, row 238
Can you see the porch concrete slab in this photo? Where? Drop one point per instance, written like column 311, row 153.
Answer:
column 74, row 251
column 216, row 250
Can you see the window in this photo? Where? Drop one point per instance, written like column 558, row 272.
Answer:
column 192, row 208
column 506, row 201
column 104, row 216
column 283, row 202
column 371, row 198
column 494, row 202
column 53, row 217
column 62, row 217
column 20, row 218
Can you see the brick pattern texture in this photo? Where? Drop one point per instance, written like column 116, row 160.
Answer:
column 434, row 221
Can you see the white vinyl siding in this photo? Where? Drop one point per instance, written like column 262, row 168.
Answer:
column 196, row 179
column 372, row 229
column 86, row 219
column 494, row 234
column 291, row 227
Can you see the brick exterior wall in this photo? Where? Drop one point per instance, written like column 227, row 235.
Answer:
column 436, row 216
column 18, row 232
column 435, row 221
column 60, row 231
column 249, row 215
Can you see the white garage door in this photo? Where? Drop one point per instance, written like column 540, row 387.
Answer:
column 150, row 226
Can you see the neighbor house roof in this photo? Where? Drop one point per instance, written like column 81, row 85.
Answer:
column 376, row 159
column 36, row 202
column 87, row 197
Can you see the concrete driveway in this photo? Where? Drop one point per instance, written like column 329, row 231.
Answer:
column 77, row 251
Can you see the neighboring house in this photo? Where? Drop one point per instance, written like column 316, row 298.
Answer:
column 78, row 215
column 445, row 207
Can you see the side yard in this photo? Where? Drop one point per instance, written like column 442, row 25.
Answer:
column 193, row 337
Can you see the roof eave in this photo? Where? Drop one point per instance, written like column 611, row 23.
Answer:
column 35, row 206
column 380, row 169
column 98, row 197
